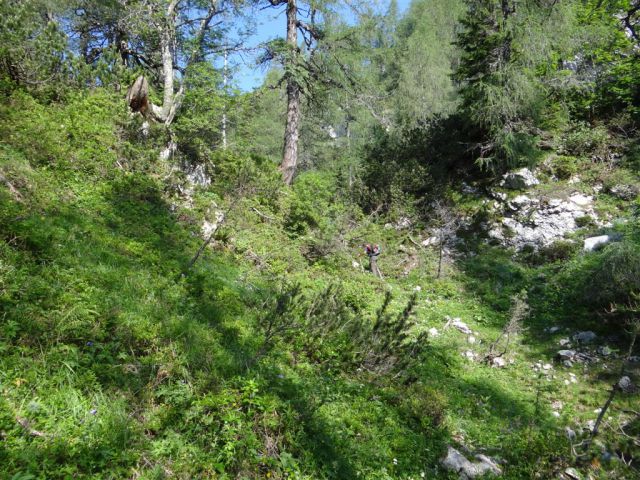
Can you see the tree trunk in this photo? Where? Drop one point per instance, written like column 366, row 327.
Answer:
column 292, row 129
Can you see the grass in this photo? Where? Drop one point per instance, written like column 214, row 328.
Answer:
column 116, row 361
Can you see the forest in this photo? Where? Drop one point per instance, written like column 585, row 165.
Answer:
column 319, row 239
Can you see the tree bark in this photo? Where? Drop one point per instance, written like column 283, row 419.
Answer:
column 292, row 129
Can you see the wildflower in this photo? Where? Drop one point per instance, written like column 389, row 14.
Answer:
column 395, row 461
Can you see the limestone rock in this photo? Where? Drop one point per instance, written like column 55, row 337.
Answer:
column 592, row 243
column 466, row 469
column 519, row 179
column 584, row 337
column 565, row 354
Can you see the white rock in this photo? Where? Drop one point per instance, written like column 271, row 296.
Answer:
column 547, row 366
column 519, row 179
column 624, row 383
column 471, row 339
column 458, row 463
column 581, row 200
column 433, row 332
column 460, row 325
column 355, row 264
column 556, row 414
column 591, row 243
column 498, row 362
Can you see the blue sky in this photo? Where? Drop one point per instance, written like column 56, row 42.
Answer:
column 270, row 24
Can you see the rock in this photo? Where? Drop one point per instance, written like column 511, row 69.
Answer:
column 210, row 227
column 573, row 180
column 519, row 179
column 571, row 435
column 430, row 241
column 471, row 339
column 584, row 357
column 604, row 351
column 565, row 354
column 500, row 196
column 498, row 362
column 547, row 366
column 634, row 359
column 460, row 325
column 417, row 288
column 355, row 264
column 552, row 329
column 584, row 337
column 572, row 474
column 624, row 192
column 624, row 384
column 557, row 405
column 197, row 175
column 469, row 355
column 433, row 332
column 567, row 363
column 592, row 243
column 581, row 200
column 564, row 342
column 466, row 469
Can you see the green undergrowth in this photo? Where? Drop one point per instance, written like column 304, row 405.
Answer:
column 276, row 354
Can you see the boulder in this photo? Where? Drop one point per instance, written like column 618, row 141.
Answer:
column 466, row 469
column 460, row 325
column 584, row 337
column 519, row 179
column 592, row 243
column 565, row 354
column 624, row 192
column 498, row 362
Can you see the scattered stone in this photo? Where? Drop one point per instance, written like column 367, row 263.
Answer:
column 567, row 363
column 581, row 200
column 466, row 469
column 355, row 264
column 552, row 329
column 590, row 425
column 592, row 243
column 498, row 362
column 460, row 325
column 471, row 339
column 604, row 351
column 584, row 337
column 572, row 474
column 634, row 359
column 624, row 192
column 571, row 435
column 557, row 405
column 625, row 384
column 547, row 366
column 565, row 354
column 519, row 179
column 433, row 332
column 564, row 342
column 430, row 241
column 584, row 357
column 469, row 355
column 556, row 414
column 573, row 180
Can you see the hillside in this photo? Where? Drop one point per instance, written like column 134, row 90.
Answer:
column 184, row 283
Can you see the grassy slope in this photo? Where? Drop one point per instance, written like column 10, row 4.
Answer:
column 115, row 364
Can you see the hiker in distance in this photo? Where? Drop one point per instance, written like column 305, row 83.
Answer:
column 373, row 251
